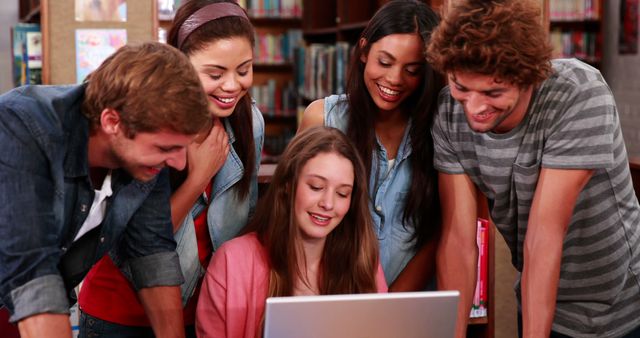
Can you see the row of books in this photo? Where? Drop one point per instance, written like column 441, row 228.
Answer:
column 255, row 8
column 321, row 69
column 572, row 10
column 167, row 8
column 575, row 43
column 479, row 304
column 277, row 48
column 275, row 100
column 274, row 145
column 273, row 8
column 26, row 48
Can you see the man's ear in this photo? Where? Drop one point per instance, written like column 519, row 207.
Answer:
column 362, row 43
column 110, row 121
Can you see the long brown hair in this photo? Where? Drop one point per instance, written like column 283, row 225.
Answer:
column 350, row 259
column 241, row 119
column 422, row 207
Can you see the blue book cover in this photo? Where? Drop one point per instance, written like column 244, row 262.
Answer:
column 26, row 46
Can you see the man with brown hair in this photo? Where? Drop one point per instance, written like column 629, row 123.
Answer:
column 541, row 140
column 83, row 174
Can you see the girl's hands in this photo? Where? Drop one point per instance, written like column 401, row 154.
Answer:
column 205, row 157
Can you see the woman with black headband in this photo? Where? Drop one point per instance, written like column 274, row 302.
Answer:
column 213, row 198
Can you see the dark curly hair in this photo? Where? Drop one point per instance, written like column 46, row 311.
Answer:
column 502, row 38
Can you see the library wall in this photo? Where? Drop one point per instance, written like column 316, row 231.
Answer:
column 622, row 72
column 8, row 18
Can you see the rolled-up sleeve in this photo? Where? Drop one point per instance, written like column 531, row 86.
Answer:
column 161, row 269
column 30, row 228
column 147, row 253
column 39, row 295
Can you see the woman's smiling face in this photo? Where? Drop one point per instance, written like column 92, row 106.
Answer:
column 225, row 68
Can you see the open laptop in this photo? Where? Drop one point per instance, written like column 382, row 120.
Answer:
column 428, row 314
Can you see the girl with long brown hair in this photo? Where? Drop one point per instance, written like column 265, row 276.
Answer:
column 311, row 235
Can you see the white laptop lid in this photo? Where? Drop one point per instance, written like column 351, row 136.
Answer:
column 428, row 314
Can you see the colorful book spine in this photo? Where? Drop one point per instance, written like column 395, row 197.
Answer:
column 574, row 10
column 479, row 305
column 27, row 54
column 273, row 8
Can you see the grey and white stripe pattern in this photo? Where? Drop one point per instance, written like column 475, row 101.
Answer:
column 572, row 123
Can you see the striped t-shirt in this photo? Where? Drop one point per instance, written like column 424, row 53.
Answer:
column 571, row 123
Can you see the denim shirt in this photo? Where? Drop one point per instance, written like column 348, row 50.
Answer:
column 46, row 194
column 227, row 214
column 387, row 191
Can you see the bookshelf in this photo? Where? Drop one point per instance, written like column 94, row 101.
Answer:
column 29, row 11
column 278, row 33
column 576, row 29
column 273, row 78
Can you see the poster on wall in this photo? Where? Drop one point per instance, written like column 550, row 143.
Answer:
column 628, row 34
column 101, row 10
column 93, row 46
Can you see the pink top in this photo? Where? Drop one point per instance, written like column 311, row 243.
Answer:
column 234, row 290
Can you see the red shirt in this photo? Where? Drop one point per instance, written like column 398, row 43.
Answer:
column 107, row 294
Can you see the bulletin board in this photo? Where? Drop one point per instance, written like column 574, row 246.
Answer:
column 60, row 27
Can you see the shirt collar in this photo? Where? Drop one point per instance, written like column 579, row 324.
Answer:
column 76, row 130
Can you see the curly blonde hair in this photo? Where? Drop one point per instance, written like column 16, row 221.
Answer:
column 501, row 38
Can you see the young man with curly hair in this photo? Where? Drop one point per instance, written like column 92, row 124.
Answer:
column 541, row 140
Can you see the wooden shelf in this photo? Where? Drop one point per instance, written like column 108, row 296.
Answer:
column 319, row 31
column 279, row 117
column 586, row 21
column 272, row 67
column 292, row 22
column 353, row 26
column 478, row 321
column 33, row 16
column 265, row 172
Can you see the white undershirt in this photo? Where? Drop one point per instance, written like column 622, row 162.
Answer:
column 392, row 162
column 98, row 207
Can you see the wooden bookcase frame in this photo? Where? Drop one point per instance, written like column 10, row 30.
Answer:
column 58, row 26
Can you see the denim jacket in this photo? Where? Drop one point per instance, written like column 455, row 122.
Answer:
column 387, row 191
column 45, row 196
column 227, row 214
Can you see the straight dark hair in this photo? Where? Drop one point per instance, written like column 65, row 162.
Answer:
column 241, row 120
column 422, row 205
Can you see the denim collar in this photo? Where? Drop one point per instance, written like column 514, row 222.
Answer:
column 76, row 131
column 229, row 130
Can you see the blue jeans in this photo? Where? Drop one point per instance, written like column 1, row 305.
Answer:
column 633, row 334
column 92, row 327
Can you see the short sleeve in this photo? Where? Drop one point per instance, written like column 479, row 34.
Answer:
column 581, row 133
column 445, row 158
